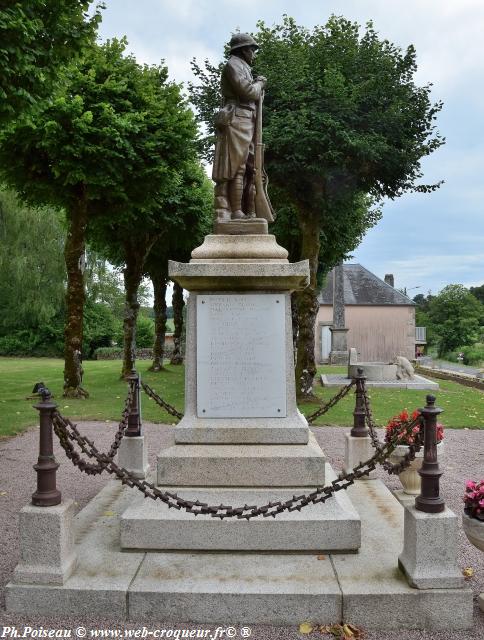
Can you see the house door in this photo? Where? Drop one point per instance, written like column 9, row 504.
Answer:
column 325, row 342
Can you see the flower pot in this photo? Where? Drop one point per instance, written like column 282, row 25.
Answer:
column 474, row 530
column 410, row 477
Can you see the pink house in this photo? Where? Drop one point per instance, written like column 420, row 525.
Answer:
column 380, row 320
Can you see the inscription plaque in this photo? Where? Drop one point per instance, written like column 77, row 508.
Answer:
column 241, row 359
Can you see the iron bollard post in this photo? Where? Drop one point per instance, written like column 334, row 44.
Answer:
column 359, row 430
column 47, row 494
column 134, row 417
column 430, row 500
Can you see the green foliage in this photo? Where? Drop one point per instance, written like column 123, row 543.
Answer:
column 473, row 354
column 145, row 332
column 37, row 37
column 188, row 215
column 422, row 319
column 32, row 276
column 103, row 283
column 112, row 128
column 108, row 353
column 478, row 292
column 455, row 315
column 100, row 327
column 343, row 114
column 47, row 339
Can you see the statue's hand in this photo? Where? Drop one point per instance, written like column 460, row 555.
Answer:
column 262, row 80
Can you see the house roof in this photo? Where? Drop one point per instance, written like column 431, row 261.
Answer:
column 362, row 287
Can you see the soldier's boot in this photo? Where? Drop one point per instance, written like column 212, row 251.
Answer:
column 236, row 189
column 222, row 206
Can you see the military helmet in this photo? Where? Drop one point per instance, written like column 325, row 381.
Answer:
column 239, row 40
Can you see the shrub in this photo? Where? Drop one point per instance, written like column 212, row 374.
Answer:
column 99, row 328
column 46, row 340
column 145, row 332
column 108, row 353
column 474, row 354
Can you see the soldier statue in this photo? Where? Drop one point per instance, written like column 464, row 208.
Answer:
column 238, row 172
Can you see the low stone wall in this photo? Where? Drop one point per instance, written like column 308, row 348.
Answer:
column 141, row 354
column 461, row 378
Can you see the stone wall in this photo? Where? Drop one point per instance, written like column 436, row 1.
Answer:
column 461, row 378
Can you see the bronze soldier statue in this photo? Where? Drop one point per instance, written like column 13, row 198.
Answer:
column 240, row 189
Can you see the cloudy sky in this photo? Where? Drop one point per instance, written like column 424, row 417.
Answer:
column 425, row 240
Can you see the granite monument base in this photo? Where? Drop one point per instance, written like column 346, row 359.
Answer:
column 246, row 587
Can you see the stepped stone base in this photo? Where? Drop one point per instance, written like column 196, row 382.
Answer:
column 249, row 465
column 366, row 588
column 333, row 526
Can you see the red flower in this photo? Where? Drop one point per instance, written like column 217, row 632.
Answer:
column 403, row 428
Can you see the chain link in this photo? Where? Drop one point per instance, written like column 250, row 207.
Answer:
column 68, row 434
column 65, row 431
column 65, row 436
column 391, row 468
column 334, row 400
column 160, row 402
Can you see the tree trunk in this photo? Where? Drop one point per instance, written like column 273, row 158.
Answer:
column 159, row 288
column 75, row 296
column 135, row 256
column 178, row 304
column 307, row 303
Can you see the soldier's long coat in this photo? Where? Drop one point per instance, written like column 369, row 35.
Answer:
column 235, row 140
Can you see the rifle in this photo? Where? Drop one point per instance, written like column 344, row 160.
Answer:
column 263, row 207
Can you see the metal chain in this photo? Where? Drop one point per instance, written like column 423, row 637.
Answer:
column 66, row 431
column 391, row 468
column 334, row 400
column 89, row 468
column 160, row 402
column 311, row 418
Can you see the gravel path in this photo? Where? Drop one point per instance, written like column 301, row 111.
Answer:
column 463, row 459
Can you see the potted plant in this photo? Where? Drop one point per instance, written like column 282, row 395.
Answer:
column 473, row 518
column 399, row 427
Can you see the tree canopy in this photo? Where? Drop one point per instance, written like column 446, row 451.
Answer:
column 37, row 37
column 32, row 272
column 455, row 315
column 104, row 145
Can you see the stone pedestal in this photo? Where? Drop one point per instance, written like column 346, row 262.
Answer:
column 339, row 345
column 429, row 556
column 339, row 352
column 358, row 450
column 46, row 544
column 133, row 456
column 242, row 439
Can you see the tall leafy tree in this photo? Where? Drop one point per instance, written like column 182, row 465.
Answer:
column 455, row 315
column 32, row 274
column 478, row 292
column 189, row 220
column 345, row 125
column 171, row 222
column 100, row 148
column 37, row 37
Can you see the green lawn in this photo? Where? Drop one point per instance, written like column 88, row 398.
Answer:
column 464, row 406
column 101, row 377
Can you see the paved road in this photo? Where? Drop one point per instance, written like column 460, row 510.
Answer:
column 450, row 366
